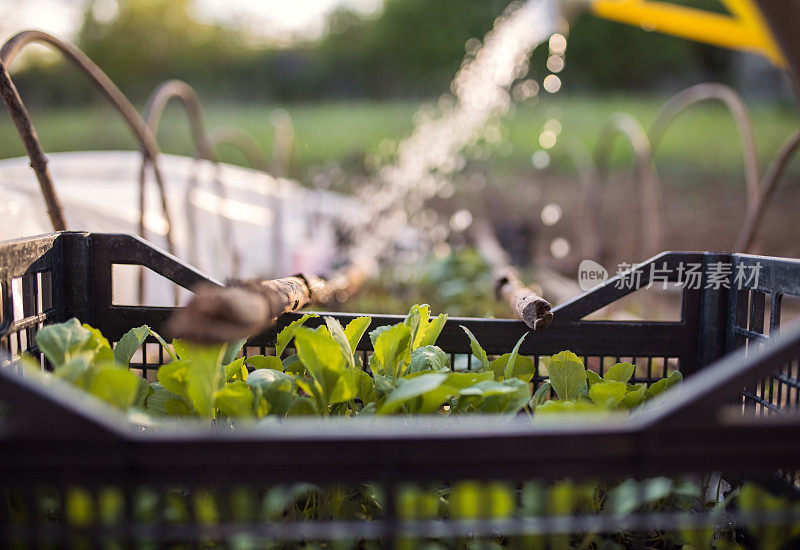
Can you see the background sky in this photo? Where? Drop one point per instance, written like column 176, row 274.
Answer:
column 279, row 19
column 275, row 20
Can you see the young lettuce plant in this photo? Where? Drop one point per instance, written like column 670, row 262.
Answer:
column 579, row 389
column 414, row 376
column 410, row 375
column 199, row 381
column 325, row 377
column 82, row 356
column 325, row 369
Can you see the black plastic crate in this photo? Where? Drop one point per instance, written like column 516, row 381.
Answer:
column 734, row 416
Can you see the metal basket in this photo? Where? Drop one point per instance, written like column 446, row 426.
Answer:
column 75, row 473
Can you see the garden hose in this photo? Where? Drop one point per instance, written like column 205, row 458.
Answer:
column 743, row 28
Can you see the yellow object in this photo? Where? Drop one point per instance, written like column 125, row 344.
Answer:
column 743, row 29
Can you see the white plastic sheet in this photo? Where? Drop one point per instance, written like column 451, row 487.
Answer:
column 279, row 227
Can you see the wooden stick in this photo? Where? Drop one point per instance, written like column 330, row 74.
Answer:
column 524, row 302
column 222, row 314
column 340, row 286
column 219, row 314
column 22, row 120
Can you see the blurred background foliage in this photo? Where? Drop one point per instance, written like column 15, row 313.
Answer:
column 460, row 283
column 410, row 49
column 356, row 86
column 352, row 92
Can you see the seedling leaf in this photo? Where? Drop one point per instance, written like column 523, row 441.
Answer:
column 607, row 394
column 355, row 330
column 129, row 343
column 592, row 377
column 540, row 395
column 428, row 359
column 115, row 385
column 339, row 336
column 62, row 341
column 234, row 400
column 476, row 348
column 621, row 372
column 512, row 360
column 265, row 362
column 432, row 331
column 410, row 389
column 232, row 350
column 285, row 336
column 391, row 350
column 568, row 376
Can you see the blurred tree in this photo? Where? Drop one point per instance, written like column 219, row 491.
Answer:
column 415, row 47
column 412, row 47
column 148, row 41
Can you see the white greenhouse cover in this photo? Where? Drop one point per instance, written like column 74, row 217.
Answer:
column 278, row 227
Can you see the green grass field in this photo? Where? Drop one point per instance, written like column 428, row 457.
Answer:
column 703, row 142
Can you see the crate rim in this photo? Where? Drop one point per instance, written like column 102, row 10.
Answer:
column 633, row 446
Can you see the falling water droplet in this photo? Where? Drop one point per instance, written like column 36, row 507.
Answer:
column 559, row 248
column 438, row 234
column 552, row 83
column 447, row 190
column 482, row 91
column 460, row 220
column 551, row 214
column 555, row 63
column 547, row 139
column 441, row 251
column 558, row 44
column 540, row 160
column 553, row 125
column 472, row 46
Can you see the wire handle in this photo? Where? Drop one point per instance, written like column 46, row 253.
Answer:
column 22, row 120
column 109, row 91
